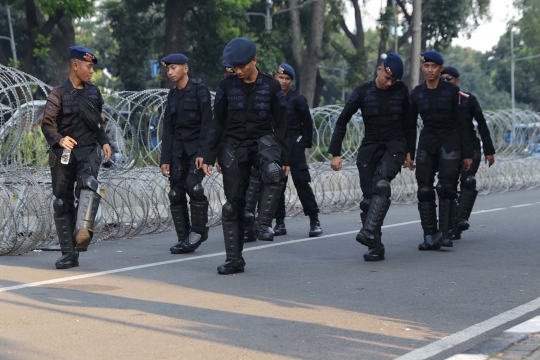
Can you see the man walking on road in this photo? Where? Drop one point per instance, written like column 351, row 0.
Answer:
column 187, row 120
column 386, row 146
column 250, row 111
column 472, row 111
column 71, row 124
column 444, row 145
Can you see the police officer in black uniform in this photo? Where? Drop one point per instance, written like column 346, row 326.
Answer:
column 188, row 115
column 385, row 148
column 444, row 145
column 250, row 111
column 67, row 128
column 472, row 110
column 301, row 137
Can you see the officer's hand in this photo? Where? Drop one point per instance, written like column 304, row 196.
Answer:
column 336, row 164
column 467, row 164
column 409, row 163
column 490, row 159
column 67, row 142
column 207, row 169
column 198, row 162
column 286, row 169
column 218, row 167
column 107, row 152
column 166, row 170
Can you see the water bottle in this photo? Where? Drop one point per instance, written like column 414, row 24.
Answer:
column 65, row 156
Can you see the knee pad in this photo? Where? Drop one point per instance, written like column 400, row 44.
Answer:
column 89, row 183
column 61, row 206
column 364, row 204
column 175, row 196
column 425, row 193
column 445, row 190
column 272, row 173
column 196, row 192
column 229, row 212
column 382, row 188
column 470, row 182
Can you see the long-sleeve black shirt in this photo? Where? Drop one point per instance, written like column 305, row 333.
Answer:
column 61, row 118
column 472, row 110
column 444, row 121
column 385, row 114
column 299, row 117
column 243, row 114
column 187, row 120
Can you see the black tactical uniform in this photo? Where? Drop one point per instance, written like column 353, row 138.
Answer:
column 187, row 120
column 251, row 119
column 471, row 109
column 444, row 142
column 301, row 137
column 387, row 139
column 62, row 118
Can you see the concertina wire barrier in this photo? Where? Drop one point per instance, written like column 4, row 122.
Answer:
column 134, row 194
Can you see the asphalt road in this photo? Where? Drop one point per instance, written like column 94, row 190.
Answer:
column 300, row 297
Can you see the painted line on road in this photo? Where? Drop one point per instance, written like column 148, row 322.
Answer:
column 522, row 205
column 254, row 248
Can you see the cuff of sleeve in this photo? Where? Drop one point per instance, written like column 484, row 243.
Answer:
column 209, row 159
column 56, row 139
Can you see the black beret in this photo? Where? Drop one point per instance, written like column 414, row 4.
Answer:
column 179, row 59
column 450, row 70
column 393, row 65
column 82, row 53
column 240, row 51
column 432, row 56
column 287, row 70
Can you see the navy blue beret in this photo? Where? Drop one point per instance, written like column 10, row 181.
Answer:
column 432, row 56
column 287, row 70
column 82, row 53
column 393, row 65
column 180, row 59
column 240, row 51
column 227, row 66
column 450, row 70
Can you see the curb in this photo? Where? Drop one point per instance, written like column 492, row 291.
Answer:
column 501, row 342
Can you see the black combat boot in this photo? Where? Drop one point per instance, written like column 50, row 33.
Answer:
column 267, row 208
column 464, row 209
column 86, row 215
column 445, row 218
column 428, row 218
column 280, row 228
column 180, row 218
column 454, row 233
column 252, row 197
column 370, row 234
column 64, row 229
column 233, row 248
column 314, row 225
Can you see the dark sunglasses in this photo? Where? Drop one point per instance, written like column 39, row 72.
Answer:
column 447, row 78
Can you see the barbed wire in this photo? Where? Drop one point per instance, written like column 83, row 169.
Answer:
column 134, row 194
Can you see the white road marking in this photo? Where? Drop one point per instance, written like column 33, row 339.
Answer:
column 522, row 205
column 455, row 339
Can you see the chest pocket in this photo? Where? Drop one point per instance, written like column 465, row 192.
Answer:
column 191, row 109
column 371, row 108
column 445, row 109
column 237, row 105
column 423, row 105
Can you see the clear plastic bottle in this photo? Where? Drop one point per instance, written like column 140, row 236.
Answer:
column 65, row 156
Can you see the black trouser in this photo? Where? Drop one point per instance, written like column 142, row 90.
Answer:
column 183, row 177
column 64, row 177
column 382, row 166
column 447, row 165
column 301, row 179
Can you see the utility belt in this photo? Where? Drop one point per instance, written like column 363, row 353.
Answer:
column 91, row 141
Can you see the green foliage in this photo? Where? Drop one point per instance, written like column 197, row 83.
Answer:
column 42, row 46
column 70, row 8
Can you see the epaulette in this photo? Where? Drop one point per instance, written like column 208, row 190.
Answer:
column 461, row 93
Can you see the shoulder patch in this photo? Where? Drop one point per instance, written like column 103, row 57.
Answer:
column 353, row 97
column 219, row 95
column 202, row 94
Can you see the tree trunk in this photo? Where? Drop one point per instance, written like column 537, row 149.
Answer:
column 416, row 43
column 175, row 10
column 308, row 59
column 319, row 87
column 62, row 38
